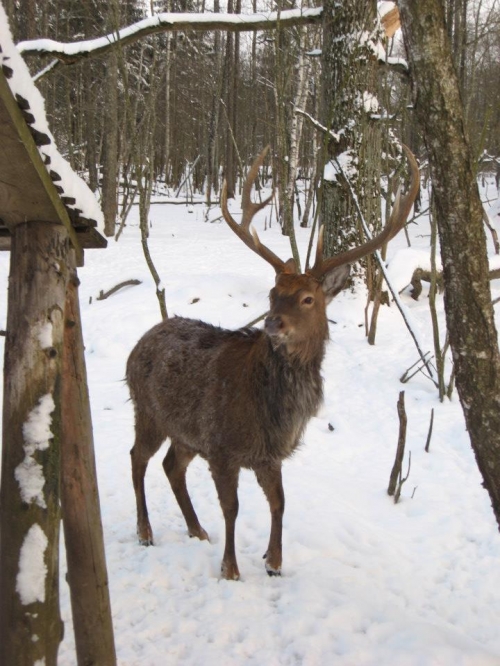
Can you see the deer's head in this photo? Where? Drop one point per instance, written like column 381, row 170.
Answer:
column 297, row 314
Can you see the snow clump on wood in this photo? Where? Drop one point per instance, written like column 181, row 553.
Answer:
column 37, row 435
column 30, row 581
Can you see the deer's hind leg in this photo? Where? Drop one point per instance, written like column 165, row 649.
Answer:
column 147, row 443
column 175, row 465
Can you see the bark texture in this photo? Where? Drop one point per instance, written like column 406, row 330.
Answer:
column 469, row 311
column 87, row 575
column 348, row 75
column 30, row 623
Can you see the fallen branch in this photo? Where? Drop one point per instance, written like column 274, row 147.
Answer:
column 405, row 377
column 416, row 282
column 103, row 295
column 421, row 274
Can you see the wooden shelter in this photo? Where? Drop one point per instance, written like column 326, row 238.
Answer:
column 48, row 466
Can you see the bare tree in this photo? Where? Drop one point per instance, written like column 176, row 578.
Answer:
column 469, row 311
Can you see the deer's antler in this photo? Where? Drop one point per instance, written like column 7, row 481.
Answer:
column 242, row 230
column 396, row 222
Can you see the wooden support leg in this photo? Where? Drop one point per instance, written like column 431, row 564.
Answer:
column 87, row 574
column 30, row 623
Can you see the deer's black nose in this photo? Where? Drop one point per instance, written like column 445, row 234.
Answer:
column 273, row 325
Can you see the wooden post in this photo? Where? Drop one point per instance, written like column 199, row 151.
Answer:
column 30, row 623
column 87, row 575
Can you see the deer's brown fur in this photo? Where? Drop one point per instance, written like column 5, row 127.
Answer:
column 237, row 398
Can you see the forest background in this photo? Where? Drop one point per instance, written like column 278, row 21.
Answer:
column 177, row 112
column 204, row 104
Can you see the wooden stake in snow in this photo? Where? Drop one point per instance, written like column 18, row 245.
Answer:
column 396, row 481
column 429, row 434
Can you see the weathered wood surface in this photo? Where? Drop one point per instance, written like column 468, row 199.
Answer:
column 87, row 575
column 30, row 624
column 27, row 190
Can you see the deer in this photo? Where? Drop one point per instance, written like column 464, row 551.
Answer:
column 241, row 398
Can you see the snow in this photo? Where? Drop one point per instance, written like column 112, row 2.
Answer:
column 345, row 163
column 365, row 581
column 37, row 435
column 22, row 84
column 384, row 8
column 45, row 335
column 30, row 581
column 370, row 103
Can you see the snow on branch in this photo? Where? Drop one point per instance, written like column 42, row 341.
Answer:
column 333, row 135
column 169, row 22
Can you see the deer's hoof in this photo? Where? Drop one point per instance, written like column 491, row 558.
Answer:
column 145, row 536
column 229, row 572
column 199, row 534
column 271, row 571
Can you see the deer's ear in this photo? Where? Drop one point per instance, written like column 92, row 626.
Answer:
column 334, row 281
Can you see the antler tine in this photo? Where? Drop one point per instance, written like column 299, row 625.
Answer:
column 249, row 207
column 396, row 222
column 242, row 230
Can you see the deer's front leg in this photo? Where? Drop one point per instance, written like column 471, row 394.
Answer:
column 269, row 479
column 226, row 482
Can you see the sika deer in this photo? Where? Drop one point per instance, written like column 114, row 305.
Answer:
column 240, row 398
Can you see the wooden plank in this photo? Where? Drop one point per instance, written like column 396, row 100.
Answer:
column 87, row 237
column 30, row 623
column 87, row 574
column 26, row 189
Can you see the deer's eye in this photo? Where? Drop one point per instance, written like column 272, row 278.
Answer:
column 308, row 300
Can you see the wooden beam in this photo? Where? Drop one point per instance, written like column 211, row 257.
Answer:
column 26, row 189
column 30, row 623
column 87, row 575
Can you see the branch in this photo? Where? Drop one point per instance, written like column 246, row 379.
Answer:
column 315, row 123
column 73, row 52
column 128, row 283
column 405, row 313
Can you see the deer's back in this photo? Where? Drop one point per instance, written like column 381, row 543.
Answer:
column 221, row 392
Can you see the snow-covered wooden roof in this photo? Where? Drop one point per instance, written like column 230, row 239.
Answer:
column 36, row 182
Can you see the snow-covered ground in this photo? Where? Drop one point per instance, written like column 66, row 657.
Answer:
column 365, row 582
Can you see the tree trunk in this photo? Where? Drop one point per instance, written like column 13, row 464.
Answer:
column 30, row 623
column 110, row 152
column 346, row 74
column 469, row 311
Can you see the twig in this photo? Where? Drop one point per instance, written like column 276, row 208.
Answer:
column 256, row 320
column 401, row 481
column 429, row 434
column 404, row 377
column 190, row 171
column 392, row 289
column 494, row 235
column 106, row 294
